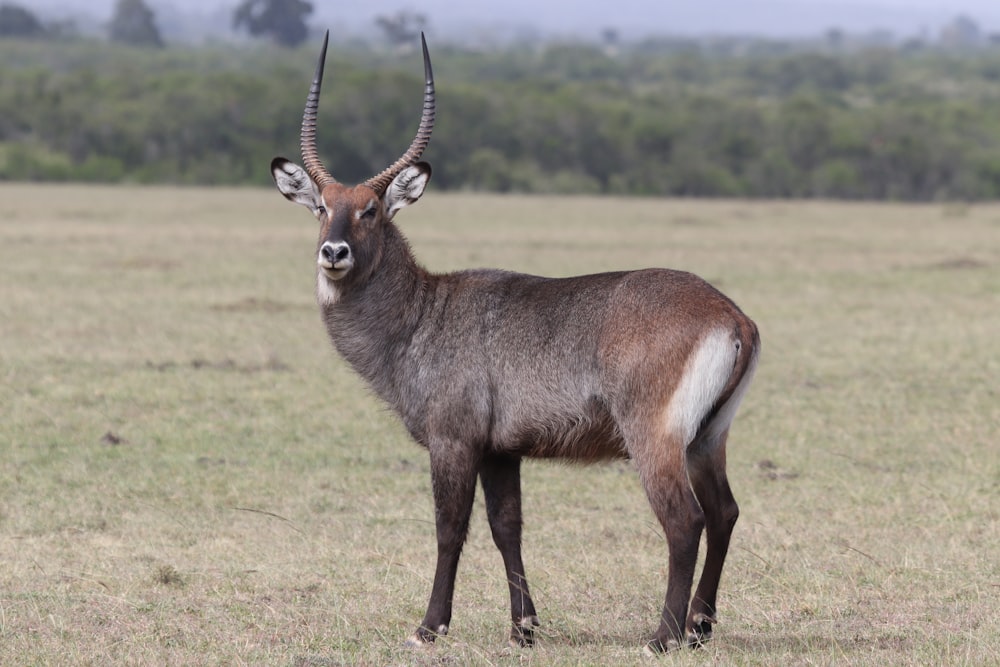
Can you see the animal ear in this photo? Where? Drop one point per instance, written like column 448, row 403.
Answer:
column 293, row 182
column 407, row 187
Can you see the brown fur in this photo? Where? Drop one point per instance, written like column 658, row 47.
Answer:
column 485, row 367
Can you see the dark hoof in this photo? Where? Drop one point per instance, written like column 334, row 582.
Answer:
column 424, row 637
column 522, row 633
column 657, row 646
column 701, row 629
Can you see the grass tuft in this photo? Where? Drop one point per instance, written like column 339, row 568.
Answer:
column 167, row 575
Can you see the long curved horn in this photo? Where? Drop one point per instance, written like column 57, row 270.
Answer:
column 416, row 149
column 310, row 156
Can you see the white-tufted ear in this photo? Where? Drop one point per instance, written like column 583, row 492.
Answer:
column 293, row 182
column 407, row 187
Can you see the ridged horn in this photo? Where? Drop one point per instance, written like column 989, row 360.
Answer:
column 416, row 149
column 310, row 156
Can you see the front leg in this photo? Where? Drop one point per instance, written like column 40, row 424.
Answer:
column 501, row 477
column 453, row 475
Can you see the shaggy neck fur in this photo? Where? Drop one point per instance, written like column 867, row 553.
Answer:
column 377, row 313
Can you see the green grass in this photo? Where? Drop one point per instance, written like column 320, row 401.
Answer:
column 189, row 475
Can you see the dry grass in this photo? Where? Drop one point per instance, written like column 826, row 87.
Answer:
column 189, row 475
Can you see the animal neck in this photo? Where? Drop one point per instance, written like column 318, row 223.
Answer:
column 373, row 321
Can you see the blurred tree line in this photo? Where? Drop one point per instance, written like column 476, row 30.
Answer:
column 873, row 123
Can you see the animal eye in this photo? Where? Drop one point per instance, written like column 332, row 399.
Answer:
column 368, row 212
column 320, row 211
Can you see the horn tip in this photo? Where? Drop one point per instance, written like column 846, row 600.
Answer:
column 321, row 63
column 428, row 72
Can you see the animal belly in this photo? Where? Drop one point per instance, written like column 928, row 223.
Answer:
column 584, row 441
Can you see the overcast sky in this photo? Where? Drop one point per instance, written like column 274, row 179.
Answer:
column 634, row 18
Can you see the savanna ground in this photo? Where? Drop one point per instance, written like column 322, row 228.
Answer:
column 189, row 475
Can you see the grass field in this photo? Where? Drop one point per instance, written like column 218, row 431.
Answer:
column 190, row 476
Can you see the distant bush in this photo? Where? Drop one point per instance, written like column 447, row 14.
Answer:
column 568, row 119
column 16, row 21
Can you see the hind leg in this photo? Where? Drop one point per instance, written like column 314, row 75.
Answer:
column 707, row 471
column 673, row 500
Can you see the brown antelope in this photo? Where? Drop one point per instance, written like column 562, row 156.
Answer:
column 486, row 367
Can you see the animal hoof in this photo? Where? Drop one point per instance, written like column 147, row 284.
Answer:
column 657, row 647
column 424, row 637
column 701, row 619
column 417, row 642
column 700, row 630
column 522, row 634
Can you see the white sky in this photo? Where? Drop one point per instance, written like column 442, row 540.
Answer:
column 632, row 17
column 566, row 6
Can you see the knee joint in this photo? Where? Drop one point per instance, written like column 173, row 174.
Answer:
column 731, row 514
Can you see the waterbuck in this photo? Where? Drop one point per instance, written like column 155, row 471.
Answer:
column 486, row 367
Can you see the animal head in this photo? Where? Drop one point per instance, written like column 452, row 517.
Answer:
column 351, row 217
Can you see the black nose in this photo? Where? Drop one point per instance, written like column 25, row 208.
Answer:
column 335, row 253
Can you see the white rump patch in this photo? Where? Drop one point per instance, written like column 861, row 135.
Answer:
column 724, row 417
column 327, row 293
column 705, row 376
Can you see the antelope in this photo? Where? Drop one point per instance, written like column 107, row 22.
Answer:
column 486, row 367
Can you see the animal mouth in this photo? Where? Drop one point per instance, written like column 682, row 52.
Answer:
column 336, row 270
column 334, row 273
